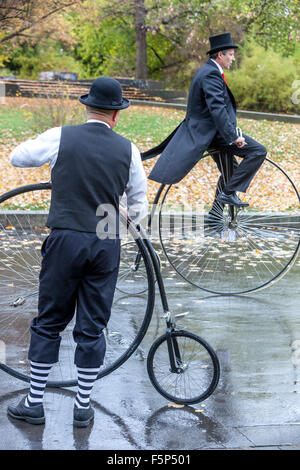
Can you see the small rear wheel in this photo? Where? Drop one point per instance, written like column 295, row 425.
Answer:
column 197, row 372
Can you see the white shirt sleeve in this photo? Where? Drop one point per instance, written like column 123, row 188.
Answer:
column 44, row 148
column 36, row 152
column 135, row 196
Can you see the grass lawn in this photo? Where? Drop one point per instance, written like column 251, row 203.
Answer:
column 22, row 118
column 13, row 122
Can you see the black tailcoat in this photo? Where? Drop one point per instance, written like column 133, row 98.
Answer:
column 211, row 112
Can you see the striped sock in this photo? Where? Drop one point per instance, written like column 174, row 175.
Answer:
column 38, row 379
column 86, row 379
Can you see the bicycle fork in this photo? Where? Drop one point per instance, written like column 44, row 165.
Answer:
column 137, row 262
column 233, row 213
column 177, row 366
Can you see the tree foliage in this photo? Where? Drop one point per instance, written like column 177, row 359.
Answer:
column 33, row 34
column 20, row 16
column 159, row 39
column 271, row 23
column 174, row 32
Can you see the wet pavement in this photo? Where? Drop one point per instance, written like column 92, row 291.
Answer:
column 255, row 406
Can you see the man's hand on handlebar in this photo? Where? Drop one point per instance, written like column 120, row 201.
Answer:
column 240, row 142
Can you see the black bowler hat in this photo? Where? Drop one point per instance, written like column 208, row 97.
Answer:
column 221, row 42
column 105, row 93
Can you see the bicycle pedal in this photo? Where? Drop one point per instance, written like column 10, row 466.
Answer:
column 183, row 314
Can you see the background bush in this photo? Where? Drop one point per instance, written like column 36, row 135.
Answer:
column 264, row 79
column 27, row 62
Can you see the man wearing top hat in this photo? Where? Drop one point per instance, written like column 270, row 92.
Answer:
column 210, row 122
column 91, row 166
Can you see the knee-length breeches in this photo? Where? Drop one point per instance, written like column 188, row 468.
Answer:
column 78, row 275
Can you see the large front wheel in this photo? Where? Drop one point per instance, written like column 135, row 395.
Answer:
column 23, row 215
column 221, row 249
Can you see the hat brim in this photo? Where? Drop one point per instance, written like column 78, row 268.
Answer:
column 87, row 101
column 223, row 48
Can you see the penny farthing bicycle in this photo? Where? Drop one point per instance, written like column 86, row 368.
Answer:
column 222, row 249
column 182, row 366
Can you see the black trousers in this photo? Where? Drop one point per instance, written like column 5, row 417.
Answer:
column 79, row 273
column 238, row 176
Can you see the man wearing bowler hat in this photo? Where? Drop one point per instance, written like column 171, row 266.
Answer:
column 210, row 122
column 91, row 166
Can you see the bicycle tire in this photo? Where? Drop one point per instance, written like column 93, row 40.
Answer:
column 22, row 232
column 132, row 279
column 206, row 365
column 264, row 244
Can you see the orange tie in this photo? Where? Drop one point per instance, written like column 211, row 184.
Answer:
column 224, row 79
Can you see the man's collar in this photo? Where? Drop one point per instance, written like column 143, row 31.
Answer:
column 98, row 121
column 218, row 65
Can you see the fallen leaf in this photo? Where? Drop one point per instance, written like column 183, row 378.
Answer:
column 175, row 405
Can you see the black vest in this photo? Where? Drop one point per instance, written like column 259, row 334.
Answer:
column 92, row 169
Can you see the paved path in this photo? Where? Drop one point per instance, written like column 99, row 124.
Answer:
column 256, row 405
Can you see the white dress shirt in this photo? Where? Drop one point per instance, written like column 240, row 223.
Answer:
column 45, row 147
column 218, row 65
column 221, row 72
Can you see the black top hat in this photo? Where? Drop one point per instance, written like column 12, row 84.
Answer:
column 221, row 42
column 105, row 93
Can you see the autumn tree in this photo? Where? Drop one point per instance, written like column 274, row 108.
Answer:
column 141, row 41
column 167, row 34
column 19, row 16
column 272, row 24
column 160, row 39
column 32, row 35
column 130, row 15
column 144, row 37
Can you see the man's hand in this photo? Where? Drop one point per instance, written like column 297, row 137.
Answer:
column 240, row 142
column 123, row 210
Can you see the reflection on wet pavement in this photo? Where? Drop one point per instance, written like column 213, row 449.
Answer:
column 256, row 336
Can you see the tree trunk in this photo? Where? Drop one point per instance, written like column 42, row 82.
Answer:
column 141, row 42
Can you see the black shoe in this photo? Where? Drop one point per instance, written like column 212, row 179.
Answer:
column 30, row 414
column 83, row 416
column 232, row 199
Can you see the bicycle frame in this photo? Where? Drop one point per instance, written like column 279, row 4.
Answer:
column 176, row 365
column 157, row 271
